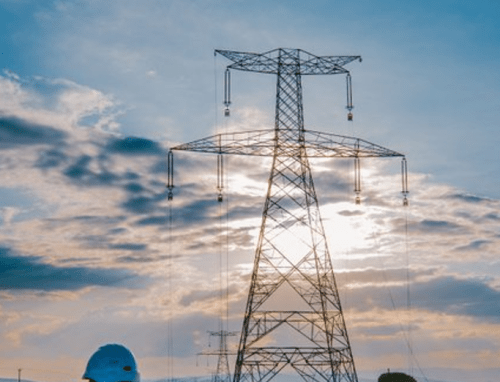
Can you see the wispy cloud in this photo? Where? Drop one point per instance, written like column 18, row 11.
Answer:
column 25, row 272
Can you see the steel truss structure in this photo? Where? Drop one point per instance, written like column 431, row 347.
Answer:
column 222, row 373
column 293, row 321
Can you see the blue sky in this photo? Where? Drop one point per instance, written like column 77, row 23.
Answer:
column 93, row 93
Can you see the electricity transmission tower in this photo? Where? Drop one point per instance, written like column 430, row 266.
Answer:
column 293, row 321
column 222, row 372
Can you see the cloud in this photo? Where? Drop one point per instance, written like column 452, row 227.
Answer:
column 492, row 216
column 200, row 296
column 79, row 171
column 129, row 246
column 381, row 331
column 145, row 337
column 147, row 259
column 50, row 158
column 250, row 209
column 134, row 146
column 350, row 213
column 429, row 290
column 470, row 297
column 17, row 132
column 58, row 103
column 469, row 198
column 438, row 225
column 191, row 213
column 474, row 245
column 154, row 220
column 134, row 187
column 144, row 204
column 31, row 273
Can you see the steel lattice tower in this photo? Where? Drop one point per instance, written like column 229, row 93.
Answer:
column 222, row 372
column 293, row 319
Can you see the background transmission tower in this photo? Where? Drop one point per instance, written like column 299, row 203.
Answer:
column 222, row 372
column 293, row 319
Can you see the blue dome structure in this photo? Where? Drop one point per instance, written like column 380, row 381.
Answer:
column 112, row 363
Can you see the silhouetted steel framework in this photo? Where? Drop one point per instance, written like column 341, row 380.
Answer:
column 293, row 318
column 222, row 373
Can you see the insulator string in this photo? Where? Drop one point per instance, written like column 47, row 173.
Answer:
column 227, row 91
column 216, row 112
column 170, row 174
column 357, row 179
column 349, row 96
column 404, row 180
column 349, row 92
column 220, row 177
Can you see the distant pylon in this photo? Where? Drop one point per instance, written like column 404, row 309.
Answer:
column 222, row 372
column 293, row 319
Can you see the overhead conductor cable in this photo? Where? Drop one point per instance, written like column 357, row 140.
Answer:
column 357, row 174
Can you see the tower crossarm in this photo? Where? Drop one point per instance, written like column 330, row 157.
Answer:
column 297, row 60
column 308, row 323
column 320, row 144
column 263, row 142
column 217, row 352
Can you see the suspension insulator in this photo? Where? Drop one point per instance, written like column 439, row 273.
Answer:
column 349, row 96
column 170, row 175
column 404, row 181
column 227, row 91
column 357, row 180
column 220, row 177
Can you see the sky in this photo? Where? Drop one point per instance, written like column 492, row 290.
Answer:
column 93, row 94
